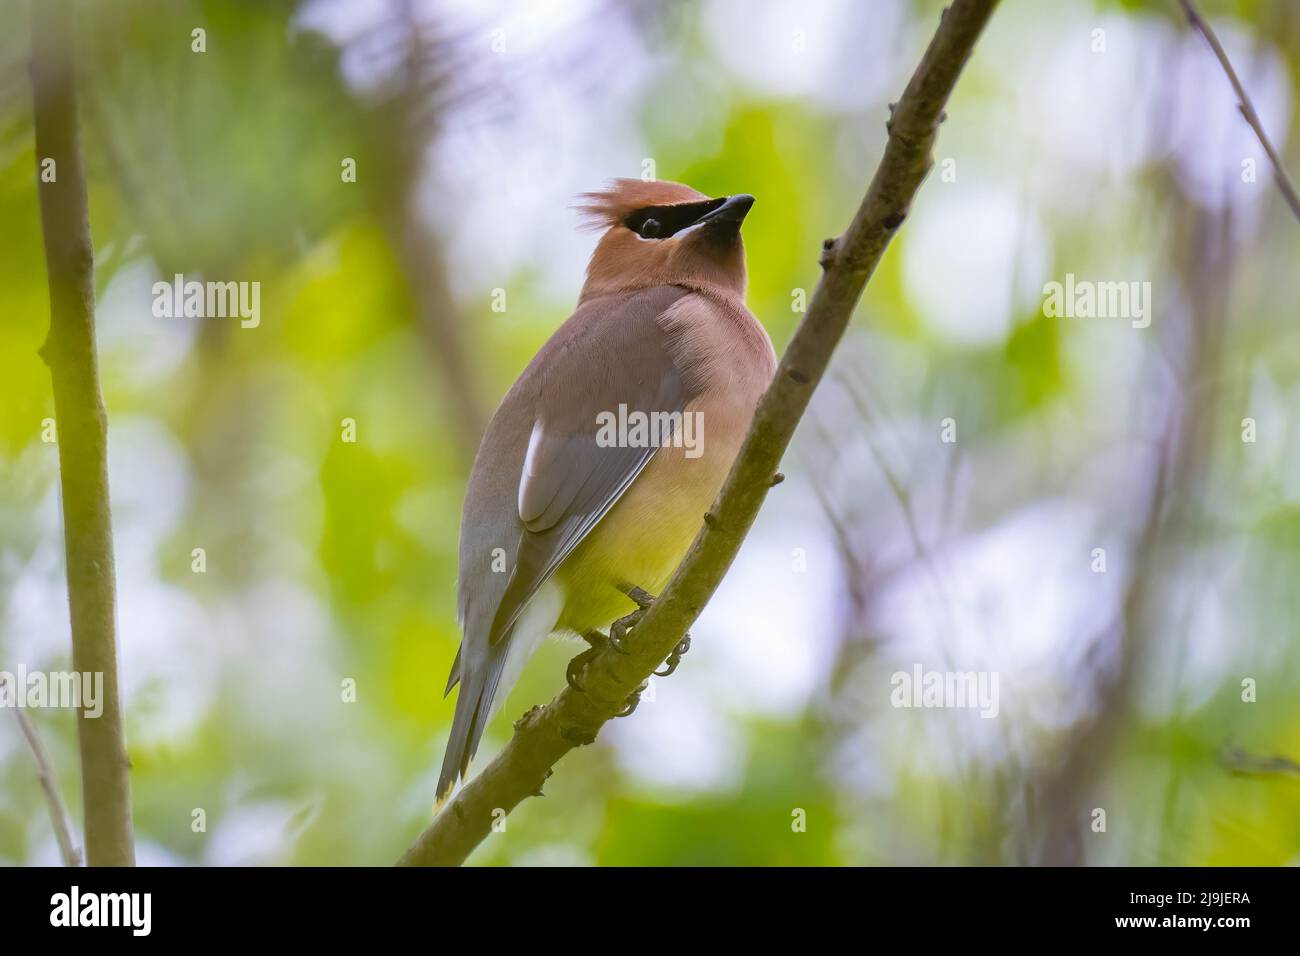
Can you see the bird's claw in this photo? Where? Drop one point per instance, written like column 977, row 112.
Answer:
column 617, row 640
column 633, row 699
column 618, row 630
column 641, row 597
column 573, row 674
column 675, row 658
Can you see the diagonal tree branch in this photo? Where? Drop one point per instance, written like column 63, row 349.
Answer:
column 50, row 787
column 1241, row 761
column 1246, row 107
column 69, row 351
column 545, row 734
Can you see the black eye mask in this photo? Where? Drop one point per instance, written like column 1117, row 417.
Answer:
column 660, row 222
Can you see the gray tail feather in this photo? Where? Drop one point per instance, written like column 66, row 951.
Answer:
column 454, row 677
column 473, row 707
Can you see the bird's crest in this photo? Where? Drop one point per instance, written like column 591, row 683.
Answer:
column 621, row 197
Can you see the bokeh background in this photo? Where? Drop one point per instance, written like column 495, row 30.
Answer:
column 1093, row 138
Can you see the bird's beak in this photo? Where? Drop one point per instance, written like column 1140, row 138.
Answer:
column 732, row 211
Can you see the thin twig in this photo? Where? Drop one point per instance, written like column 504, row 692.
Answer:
column 545, row 734
column 1243, row 762
column 1247, row 108
column 50, row 785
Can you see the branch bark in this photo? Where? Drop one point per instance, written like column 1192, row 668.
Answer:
column 1246, row 107
column 69, row 351
column 545, row 734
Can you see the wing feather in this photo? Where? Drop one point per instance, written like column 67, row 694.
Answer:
column 541, row 481
column 570, row 481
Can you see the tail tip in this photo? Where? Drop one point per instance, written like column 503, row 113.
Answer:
column 440, row 800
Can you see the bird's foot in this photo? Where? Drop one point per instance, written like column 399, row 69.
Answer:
column 675, row 658
column 618, row 630
column 578, row 666
column 641, row 597
column 633, row 699
column 577, row 669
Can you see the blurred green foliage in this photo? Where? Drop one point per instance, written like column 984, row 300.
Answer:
column 331, row 561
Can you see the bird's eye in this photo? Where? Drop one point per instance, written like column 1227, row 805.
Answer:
column 650, row 229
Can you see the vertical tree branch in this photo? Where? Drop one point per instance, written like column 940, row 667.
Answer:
column 69, row 351
column 545, row 734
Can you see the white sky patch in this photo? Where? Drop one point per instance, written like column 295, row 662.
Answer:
column 682, row 741
column 124, row 319
column 260, row 833
column 842, row 53
column 972, row 259
column 1019, row 598
column 168, row 676
column 276, row 638
column 149, row 480
column 169, row 670
column 35, row 625
column 768, row 629
column 1091, row 110
column 1066, row 113
column 168, row 667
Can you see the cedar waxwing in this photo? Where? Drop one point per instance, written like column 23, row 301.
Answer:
column 576, row 500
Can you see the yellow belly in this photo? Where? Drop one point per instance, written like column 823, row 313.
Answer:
column 647, row 533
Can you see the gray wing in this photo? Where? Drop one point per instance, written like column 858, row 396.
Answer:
column 541, row 481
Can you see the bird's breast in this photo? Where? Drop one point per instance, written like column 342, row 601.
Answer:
column 647, row 533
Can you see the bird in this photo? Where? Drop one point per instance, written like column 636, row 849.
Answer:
column 576, row 512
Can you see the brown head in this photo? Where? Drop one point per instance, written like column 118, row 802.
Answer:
column 661, row 233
